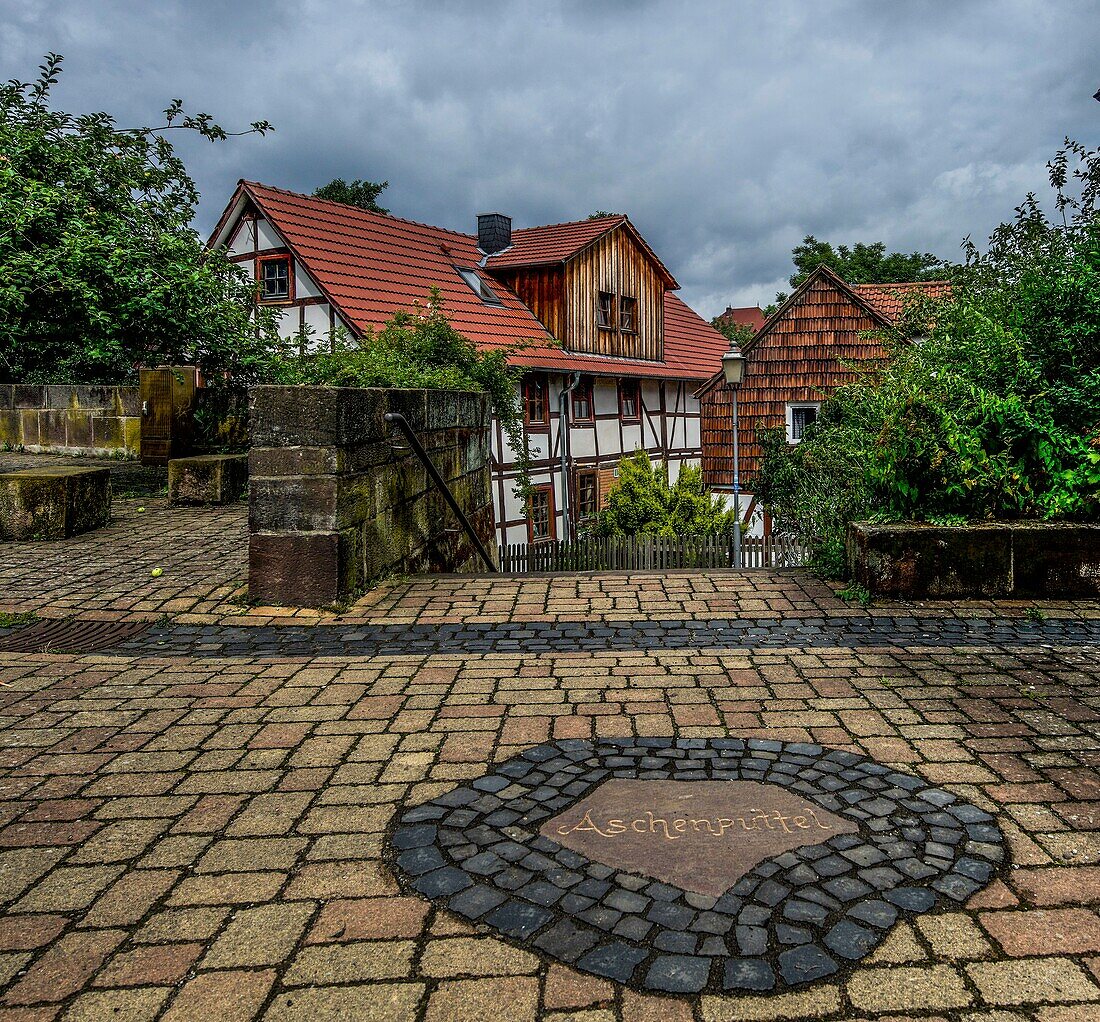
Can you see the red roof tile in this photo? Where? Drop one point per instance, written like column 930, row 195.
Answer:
column 890, row 299
column 371, row 265
column 749, row 315
column 557, row 243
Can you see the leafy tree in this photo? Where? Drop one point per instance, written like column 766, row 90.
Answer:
column 363, row 194
column 738, row 333
column 643, row 501
column 600, row 214
column 995, row 414
column 100, row 270
column 862, row 264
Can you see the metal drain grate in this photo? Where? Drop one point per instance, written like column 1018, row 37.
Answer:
column 64, row 635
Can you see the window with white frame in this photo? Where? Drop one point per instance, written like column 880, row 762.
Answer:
column 800, row 416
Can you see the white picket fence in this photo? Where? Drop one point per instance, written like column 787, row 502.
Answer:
column 650, row 553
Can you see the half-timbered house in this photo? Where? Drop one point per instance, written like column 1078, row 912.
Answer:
column 611, row 356
column 807, row 348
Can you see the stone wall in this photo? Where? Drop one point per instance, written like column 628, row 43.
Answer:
column 1022, row 559
column 71, row 419
column 337, row 500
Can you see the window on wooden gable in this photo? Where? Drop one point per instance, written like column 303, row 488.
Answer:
column 540, row 514
column 630, row 400
column 800, row 417
column 583, row 407
column 628, row 314
column 605, row 310
column 588, row 496
column 275, row 279
column 478, row 286
column 536, row 412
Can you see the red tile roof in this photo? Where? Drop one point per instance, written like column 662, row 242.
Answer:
column 553, row 243
column 749, row 315
column 557, row 243
column 371, row 265
column 890, row 299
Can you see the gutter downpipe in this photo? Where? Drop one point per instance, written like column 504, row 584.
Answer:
column 399, row 420
column 563, row 445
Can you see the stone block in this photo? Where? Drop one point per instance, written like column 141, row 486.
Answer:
column 207, row 479
column 53, row 502
column 1056, row 559
column 293, row 504
column 315, row 416
column 28, row 395
column 913, row 561
column 293, row 461
column 1024, row 559
column 11, row 428
column 78, row 428
column 300, row 569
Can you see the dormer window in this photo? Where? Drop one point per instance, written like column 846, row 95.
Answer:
column 276, row 280
column 628, row 314
column 605, row 310
column 478, row 286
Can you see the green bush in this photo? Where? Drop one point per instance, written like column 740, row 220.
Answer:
column 643, row 501
column 989, row 405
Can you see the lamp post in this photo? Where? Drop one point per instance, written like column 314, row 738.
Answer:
column 733, row 366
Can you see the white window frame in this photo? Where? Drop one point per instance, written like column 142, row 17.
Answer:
column 791, row 406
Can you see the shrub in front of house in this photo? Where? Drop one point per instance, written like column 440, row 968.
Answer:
column 989, row 407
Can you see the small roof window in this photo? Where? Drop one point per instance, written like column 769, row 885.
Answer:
column 478, row 286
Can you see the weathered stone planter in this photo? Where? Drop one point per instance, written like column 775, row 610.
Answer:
column 337, row 500
column 53, row 502
column 992, row 559
column 207, row 479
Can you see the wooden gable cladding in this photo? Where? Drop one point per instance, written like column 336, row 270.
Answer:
column 805, row 353
column 540, row 288
column 616, row 264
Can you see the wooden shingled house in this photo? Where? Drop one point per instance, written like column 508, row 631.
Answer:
column 802, row 352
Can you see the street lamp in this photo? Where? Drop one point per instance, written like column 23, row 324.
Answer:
column 733, row 366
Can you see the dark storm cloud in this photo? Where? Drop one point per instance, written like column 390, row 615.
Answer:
column 726, row 130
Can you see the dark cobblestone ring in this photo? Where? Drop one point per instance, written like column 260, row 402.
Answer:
column 792, row 918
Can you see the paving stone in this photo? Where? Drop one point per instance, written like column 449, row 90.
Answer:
column 906, row 988
column 614, row 960
column 1035, row 980
column 259, row 936
column 1044, row 931
column 376, row 1002
column 678, row 974
column 805, row 963
column 118, row 1005
column 325, row 964
column 484, row 1000
column 481, row 956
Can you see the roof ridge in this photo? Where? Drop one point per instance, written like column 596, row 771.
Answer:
column 620, row 217
column 389, row 217
column 902, row 283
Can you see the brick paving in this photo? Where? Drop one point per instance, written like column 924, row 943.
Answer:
column 186, row 834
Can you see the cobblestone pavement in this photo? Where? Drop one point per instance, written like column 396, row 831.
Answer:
column 195, row 830
column 192, row 837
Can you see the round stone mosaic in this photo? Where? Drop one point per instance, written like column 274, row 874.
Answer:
column 684, row 865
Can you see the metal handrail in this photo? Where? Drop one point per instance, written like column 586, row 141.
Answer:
column 399, row 420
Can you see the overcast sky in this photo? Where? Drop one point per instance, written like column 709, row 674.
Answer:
column 726, row 130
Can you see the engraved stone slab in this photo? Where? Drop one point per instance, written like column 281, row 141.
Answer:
column 702, row 836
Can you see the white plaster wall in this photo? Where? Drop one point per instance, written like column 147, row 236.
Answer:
column 304, row 287
column 243, row 239
column 266, row 237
